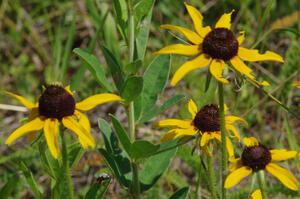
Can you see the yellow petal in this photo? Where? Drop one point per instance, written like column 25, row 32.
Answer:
column 225, row 21
column 199, row 62
column 68, row 89
column 233, row 130
column 51, row 136
column 256, row 194
column 229, row 146
column 232, row 119
column 180, row 49
column 169, row 136
column 235, row 163
column 192, row 108
column 251, row 141
column 296, row 84
column 236, row 176
column 85, row 123
column 190, row 35
column 95, row 100
column 241, row 37
column 205, row 138
column 175, row 123
column 82, row 134
column 34, row 125
column 22, row 100
column 216, row 69
column 185, row 132
column 241, row 67
column 283, row 175
column 283, row 154
column 197, row 20
column 253, row 55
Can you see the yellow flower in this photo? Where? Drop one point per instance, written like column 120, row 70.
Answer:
column 57, row 105
column 296, row 84
column 204, row 122
column 256, row 194
column 213, row 47
column 256, row 157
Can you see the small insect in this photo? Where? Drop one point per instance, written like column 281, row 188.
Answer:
column 102, row 177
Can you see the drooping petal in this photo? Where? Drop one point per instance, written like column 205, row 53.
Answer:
column 229, row 145
column 256, row 194
column 68, row 89
column 85, row 123
column 283, row 175
column 235, row 163
column 199, row 62
column 180, row 49
column 192, row 108
column 241, row 67
column 168, row 136
column 51, row 136
column 22, row 100
column 34, row 125
column 185, row 132
column 92, row 101
column 189, row 34
column 251, row 141
column 232, row 130
column 216, row 69
column 236, row 176
column 253, row 55
column 283, row 154
column 205, row 138
column 241, row 37
column 175, row 123
column 197, row 20
column 225, row 21
column 74, row 126
column 230, row 119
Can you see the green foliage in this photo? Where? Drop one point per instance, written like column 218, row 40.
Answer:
column 181, row 193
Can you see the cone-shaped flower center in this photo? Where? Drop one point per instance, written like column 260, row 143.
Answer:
column 256, row 157
column 220, row 43
column 56, row 102
column 207, row 119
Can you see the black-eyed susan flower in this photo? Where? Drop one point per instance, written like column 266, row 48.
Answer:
column 204, row 123
column 296, row 84
column 57, row 106
column 213, row 47
column 256, row 157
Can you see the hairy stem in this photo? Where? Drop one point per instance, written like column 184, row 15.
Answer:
column 262, row 184
column 211, row 172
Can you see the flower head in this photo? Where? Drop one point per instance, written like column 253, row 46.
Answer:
column 57, row 106
column 256, row 157
column 204, row 123
column 213, row 47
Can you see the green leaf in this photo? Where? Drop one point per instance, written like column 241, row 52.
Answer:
column 30, row 180
column 133, row 67
column 143, row 35
column 94, row 67
column 121, row 133
column 141, row 9
column 154, row 167
column 158, row 110
column 181, row 193
column 121, row 12
column 110, row 140
column 75, row 152
column 115, row 68
column 98, row 190
column 155, row 79
column 132, row 88
column 142, row 149
column 119, row 165
column 7, row 189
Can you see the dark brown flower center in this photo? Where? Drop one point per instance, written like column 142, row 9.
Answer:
column 207, row 119
column 220, row 43
column 256, row 157
column 56, row 102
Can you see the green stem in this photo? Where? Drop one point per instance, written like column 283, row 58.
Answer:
column 198, row 185
column 211, row 172
column 262, row 184
column 223, row 138
column 65, row 165
column 135, row 186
